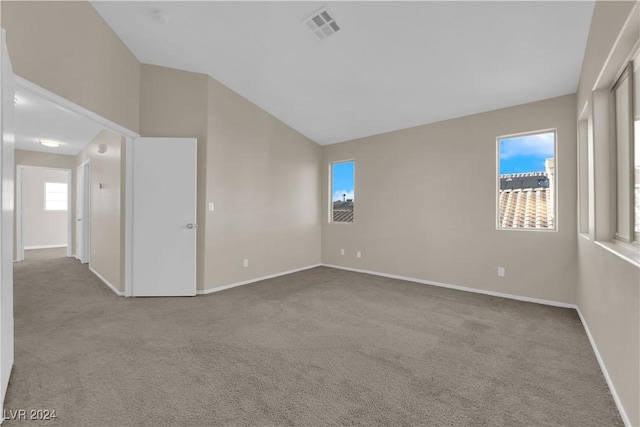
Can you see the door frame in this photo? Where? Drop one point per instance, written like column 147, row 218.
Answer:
column 19, row 208
column 128, row 217
column 85, row 256
column 129, row 136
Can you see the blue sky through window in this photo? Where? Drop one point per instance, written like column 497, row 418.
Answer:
column 527, row 153
column 342, row 180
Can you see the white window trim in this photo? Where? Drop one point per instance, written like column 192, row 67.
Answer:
column 627, row 72
column 626, row 251
column 555, row 192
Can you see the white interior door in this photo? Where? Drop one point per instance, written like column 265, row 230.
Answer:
column 82, row 212
column 164, row 217
column 19, row 255
column 7, row 92
column 79, row 211
column 86, row 213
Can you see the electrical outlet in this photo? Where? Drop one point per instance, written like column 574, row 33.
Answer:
column 245, row 263
column 210, row 206
column 359, row 254
column 501, row 271
column 341, row 251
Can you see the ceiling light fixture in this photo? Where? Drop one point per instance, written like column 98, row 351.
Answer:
column 322, row 24
column 50, row 143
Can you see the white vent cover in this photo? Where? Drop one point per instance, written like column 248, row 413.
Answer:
column 322, row 24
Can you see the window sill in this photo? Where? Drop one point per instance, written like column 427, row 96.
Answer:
column 629, row 253
column 541, row 230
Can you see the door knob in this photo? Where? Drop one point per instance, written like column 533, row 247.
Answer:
column 190, row 226
column 79, row 219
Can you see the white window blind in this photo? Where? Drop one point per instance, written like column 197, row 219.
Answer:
column 55, row 196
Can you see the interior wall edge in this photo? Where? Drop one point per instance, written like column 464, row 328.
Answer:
column 259, row 279
column 106, row 282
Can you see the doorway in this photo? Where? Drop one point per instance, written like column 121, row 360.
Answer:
column 43, row 209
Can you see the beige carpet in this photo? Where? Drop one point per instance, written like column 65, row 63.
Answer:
column 320, row 347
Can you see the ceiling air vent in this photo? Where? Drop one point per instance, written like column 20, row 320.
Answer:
column 322, row 24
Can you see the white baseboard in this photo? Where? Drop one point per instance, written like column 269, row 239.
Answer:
column 614, row 393
column 26, row 248
column 456, row 287
column 106, row 282
column 246, row 282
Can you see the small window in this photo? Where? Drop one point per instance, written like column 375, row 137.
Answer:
column 527, row 181
column 342, row 191
column 55, row 196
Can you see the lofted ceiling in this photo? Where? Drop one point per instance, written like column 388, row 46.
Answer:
column 37, row 118
column 392, row 65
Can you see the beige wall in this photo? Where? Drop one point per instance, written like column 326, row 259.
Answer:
column 609, row 299
column 36, row 158
column 41, row 227
column 45, row 160
column 425, row 205
column 608, row 290
column 262, row 176
column 107, row 207
column 264, row 179
column 174, row 104
column 68, row 49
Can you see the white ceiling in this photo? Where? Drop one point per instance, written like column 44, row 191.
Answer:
column 393, row 64
column 37, row 118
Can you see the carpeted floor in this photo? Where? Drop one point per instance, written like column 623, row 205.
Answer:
column 320, row 347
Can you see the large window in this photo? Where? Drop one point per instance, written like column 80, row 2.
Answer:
column 627, row 156
column 342, row 191
column 527, row 181
column 55, row 198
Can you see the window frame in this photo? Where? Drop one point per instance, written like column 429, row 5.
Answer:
column 629, row 217
column 584, row 171
column 330, row 214
column 66, row 209
column 556, row 222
